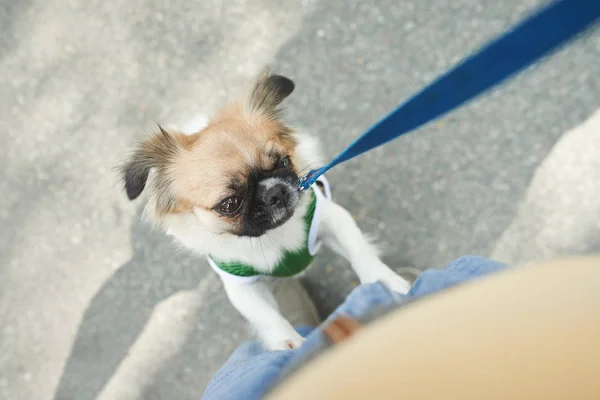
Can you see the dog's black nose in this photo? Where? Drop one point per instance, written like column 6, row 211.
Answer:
column 278, row 195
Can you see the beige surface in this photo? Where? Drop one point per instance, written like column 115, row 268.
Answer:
column 531, row 333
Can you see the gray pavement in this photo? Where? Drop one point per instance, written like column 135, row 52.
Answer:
column 94, row 304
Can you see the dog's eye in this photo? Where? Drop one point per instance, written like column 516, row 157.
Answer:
column 285, row 162
column 230, row 205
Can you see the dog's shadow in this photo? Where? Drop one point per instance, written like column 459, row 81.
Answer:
column 121, row 308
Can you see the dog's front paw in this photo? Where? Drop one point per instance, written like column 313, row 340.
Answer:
column 379, row 272
column 289, row 342
column 395, row 282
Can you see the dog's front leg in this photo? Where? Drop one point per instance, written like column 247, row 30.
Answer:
column 339, row 231
column 256, row 303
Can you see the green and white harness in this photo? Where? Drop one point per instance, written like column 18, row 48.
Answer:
column 293, row 262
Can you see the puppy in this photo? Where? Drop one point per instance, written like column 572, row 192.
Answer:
column 230, row 192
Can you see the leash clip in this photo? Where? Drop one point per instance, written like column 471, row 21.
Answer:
column 307, row 180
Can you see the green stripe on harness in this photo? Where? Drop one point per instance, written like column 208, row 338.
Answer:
column 291, row 264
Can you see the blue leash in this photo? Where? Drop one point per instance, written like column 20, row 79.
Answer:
column 544, row 31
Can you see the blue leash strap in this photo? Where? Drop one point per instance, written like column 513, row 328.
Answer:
column 542, row 32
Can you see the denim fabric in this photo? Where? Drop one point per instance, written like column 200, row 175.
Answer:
column 251, row 371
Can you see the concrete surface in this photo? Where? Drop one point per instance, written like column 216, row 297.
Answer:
column 94, row 304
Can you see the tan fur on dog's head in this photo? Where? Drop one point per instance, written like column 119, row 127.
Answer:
column 243, row 145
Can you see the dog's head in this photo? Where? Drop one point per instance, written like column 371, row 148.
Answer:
column 238, row 175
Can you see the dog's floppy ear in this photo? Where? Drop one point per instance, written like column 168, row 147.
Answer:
column 269, row 91
column 135, row 175
column 157, row 152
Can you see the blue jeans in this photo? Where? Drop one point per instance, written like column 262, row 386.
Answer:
column 251, row 371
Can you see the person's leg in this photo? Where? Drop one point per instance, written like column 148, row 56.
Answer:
column 460, row 270
column 251, row 371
